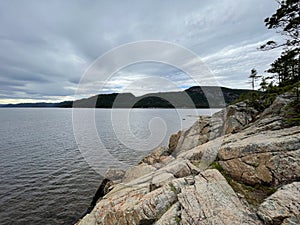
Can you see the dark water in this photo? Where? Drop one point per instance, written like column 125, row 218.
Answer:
column 44, row 178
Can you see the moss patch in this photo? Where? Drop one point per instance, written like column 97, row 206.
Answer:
column 178, row 219
column 172, row 187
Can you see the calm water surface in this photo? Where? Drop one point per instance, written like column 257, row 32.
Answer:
column 44, row 178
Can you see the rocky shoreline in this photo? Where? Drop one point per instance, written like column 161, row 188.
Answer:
column 237, row 167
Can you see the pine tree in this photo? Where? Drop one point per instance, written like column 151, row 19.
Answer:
column 286, row 21
column 263, row 84
column 253, row 77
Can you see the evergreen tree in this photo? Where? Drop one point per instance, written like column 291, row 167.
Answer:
column 253, row 77
column 263, row 84
column 286, row 21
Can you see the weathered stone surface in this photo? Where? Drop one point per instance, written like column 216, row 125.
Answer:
column 274, row 117
column 194, row 154
column 278, row 106
column 230, row 120
column 271, row 156
column 194, row 136
column 211, row 200
column 203, row 155
column 134, row 206
column 160, row 179
column 236, row 117
column 88, row 219
column 171, row 217
column 173, row 142
column 138, row 171
column 283, row 207
column 115, row 175
column 157, row 156
column 178, row 167
column 175, row 169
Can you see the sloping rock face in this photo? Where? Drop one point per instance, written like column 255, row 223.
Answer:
column 137, row 171
column 210, row 200
column 204, row 199
column 278, row 106
column 267, row 151
column 194, row 136
column 236, row 117
column 283, row 207
column 178, row 185
column 230, row 120
column 269, row 157
column 134, row 205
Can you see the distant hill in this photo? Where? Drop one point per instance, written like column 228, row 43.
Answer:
column 192, row 97
column 38, row 105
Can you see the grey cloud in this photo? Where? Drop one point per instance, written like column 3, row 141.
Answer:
column 45, row 47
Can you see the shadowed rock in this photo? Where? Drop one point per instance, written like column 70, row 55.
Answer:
column 283, row 207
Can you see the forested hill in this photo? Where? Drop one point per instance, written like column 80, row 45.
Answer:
column 189, row 98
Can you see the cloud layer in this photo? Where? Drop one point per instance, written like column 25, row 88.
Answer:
column 45, row 47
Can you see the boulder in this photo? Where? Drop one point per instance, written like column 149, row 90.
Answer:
column 161, row 178
column 274, row 117
column 203, row 155
column 115, row 175
column 178, row 167
column 137, row 171
column 158, row 158
column 267, row 151
column 282, row 207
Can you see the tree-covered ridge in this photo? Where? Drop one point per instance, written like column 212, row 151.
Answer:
column 193, row 97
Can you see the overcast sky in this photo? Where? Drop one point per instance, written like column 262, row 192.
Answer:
column 46, row 46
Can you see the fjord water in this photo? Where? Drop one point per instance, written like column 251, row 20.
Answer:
column 44, row 178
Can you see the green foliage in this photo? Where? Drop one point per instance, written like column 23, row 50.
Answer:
column 217, row 166
column 178, row 219
column 262, row 100
column 173, row 188
column 253, row 99
column 293, row 110
column 263, row 84
column 286, row 67
column 286, row 21
column 253, row 76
